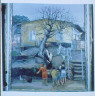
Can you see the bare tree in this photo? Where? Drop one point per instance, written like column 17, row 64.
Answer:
column 52, row 22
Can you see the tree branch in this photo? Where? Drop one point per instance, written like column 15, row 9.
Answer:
column 52, row 34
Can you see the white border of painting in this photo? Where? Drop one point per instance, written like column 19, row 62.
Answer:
column 47, row 93
column 13, row 93
column 51, row 1
column 94, row 45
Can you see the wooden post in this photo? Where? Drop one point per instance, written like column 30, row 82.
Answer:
column 8, row 44
column 70, row 54
column 82, row 63
column 68, row 62
column 88, row 54
column 88, row 47
column 94, row 45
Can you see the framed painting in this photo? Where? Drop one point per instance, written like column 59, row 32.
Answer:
column 47, row 47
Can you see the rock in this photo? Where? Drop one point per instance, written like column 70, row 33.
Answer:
column 57, row 60
column 29, row 63
column 53, row 50
column 31, row 51
column 39, row 60
column 32, row 63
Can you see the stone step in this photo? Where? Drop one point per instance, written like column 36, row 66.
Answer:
column 77, row 76
column 77, row 79
column 77, row 62
column 78, row 68
column 77, row 71
column 80, row 65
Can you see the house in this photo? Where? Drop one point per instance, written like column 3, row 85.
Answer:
column 77, row 41
column 32, row 33
column 69, row 39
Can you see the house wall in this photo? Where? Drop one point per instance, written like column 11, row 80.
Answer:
column 78, row 45
column 26, row 28
column 76, row 34
column 37, row 26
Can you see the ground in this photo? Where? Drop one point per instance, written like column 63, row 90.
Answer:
column 36, row 86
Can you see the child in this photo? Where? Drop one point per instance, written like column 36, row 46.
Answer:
column 63, row 72
column 59, row 79
column 54, row 76
column 44, row 74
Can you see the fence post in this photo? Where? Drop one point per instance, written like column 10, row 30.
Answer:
column 68, row 62
column 82, row 63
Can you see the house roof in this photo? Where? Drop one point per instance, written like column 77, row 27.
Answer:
column 64, row 22
column 78, row 28
column 67, row 24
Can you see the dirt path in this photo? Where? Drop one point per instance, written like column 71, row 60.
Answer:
column 36, row 86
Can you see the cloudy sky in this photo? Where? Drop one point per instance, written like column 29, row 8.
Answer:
column 75, row 12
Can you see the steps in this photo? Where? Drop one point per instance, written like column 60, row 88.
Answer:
column 77, row 70
column 77, row 77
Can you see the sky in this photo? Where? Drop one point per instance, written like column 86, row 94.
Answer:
column 75, row 11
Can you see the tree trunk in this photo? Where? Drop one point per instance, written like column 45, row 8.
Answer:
column 42, row 46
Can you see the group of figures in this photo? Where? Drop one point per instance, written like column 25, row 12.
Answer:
column 58, row 75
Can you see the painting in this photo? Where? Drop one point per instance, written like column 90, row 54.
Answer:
column 46, row 47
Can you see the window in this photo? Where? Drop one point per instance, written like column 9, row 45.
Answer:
column 59, row 37
column 32, row 35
